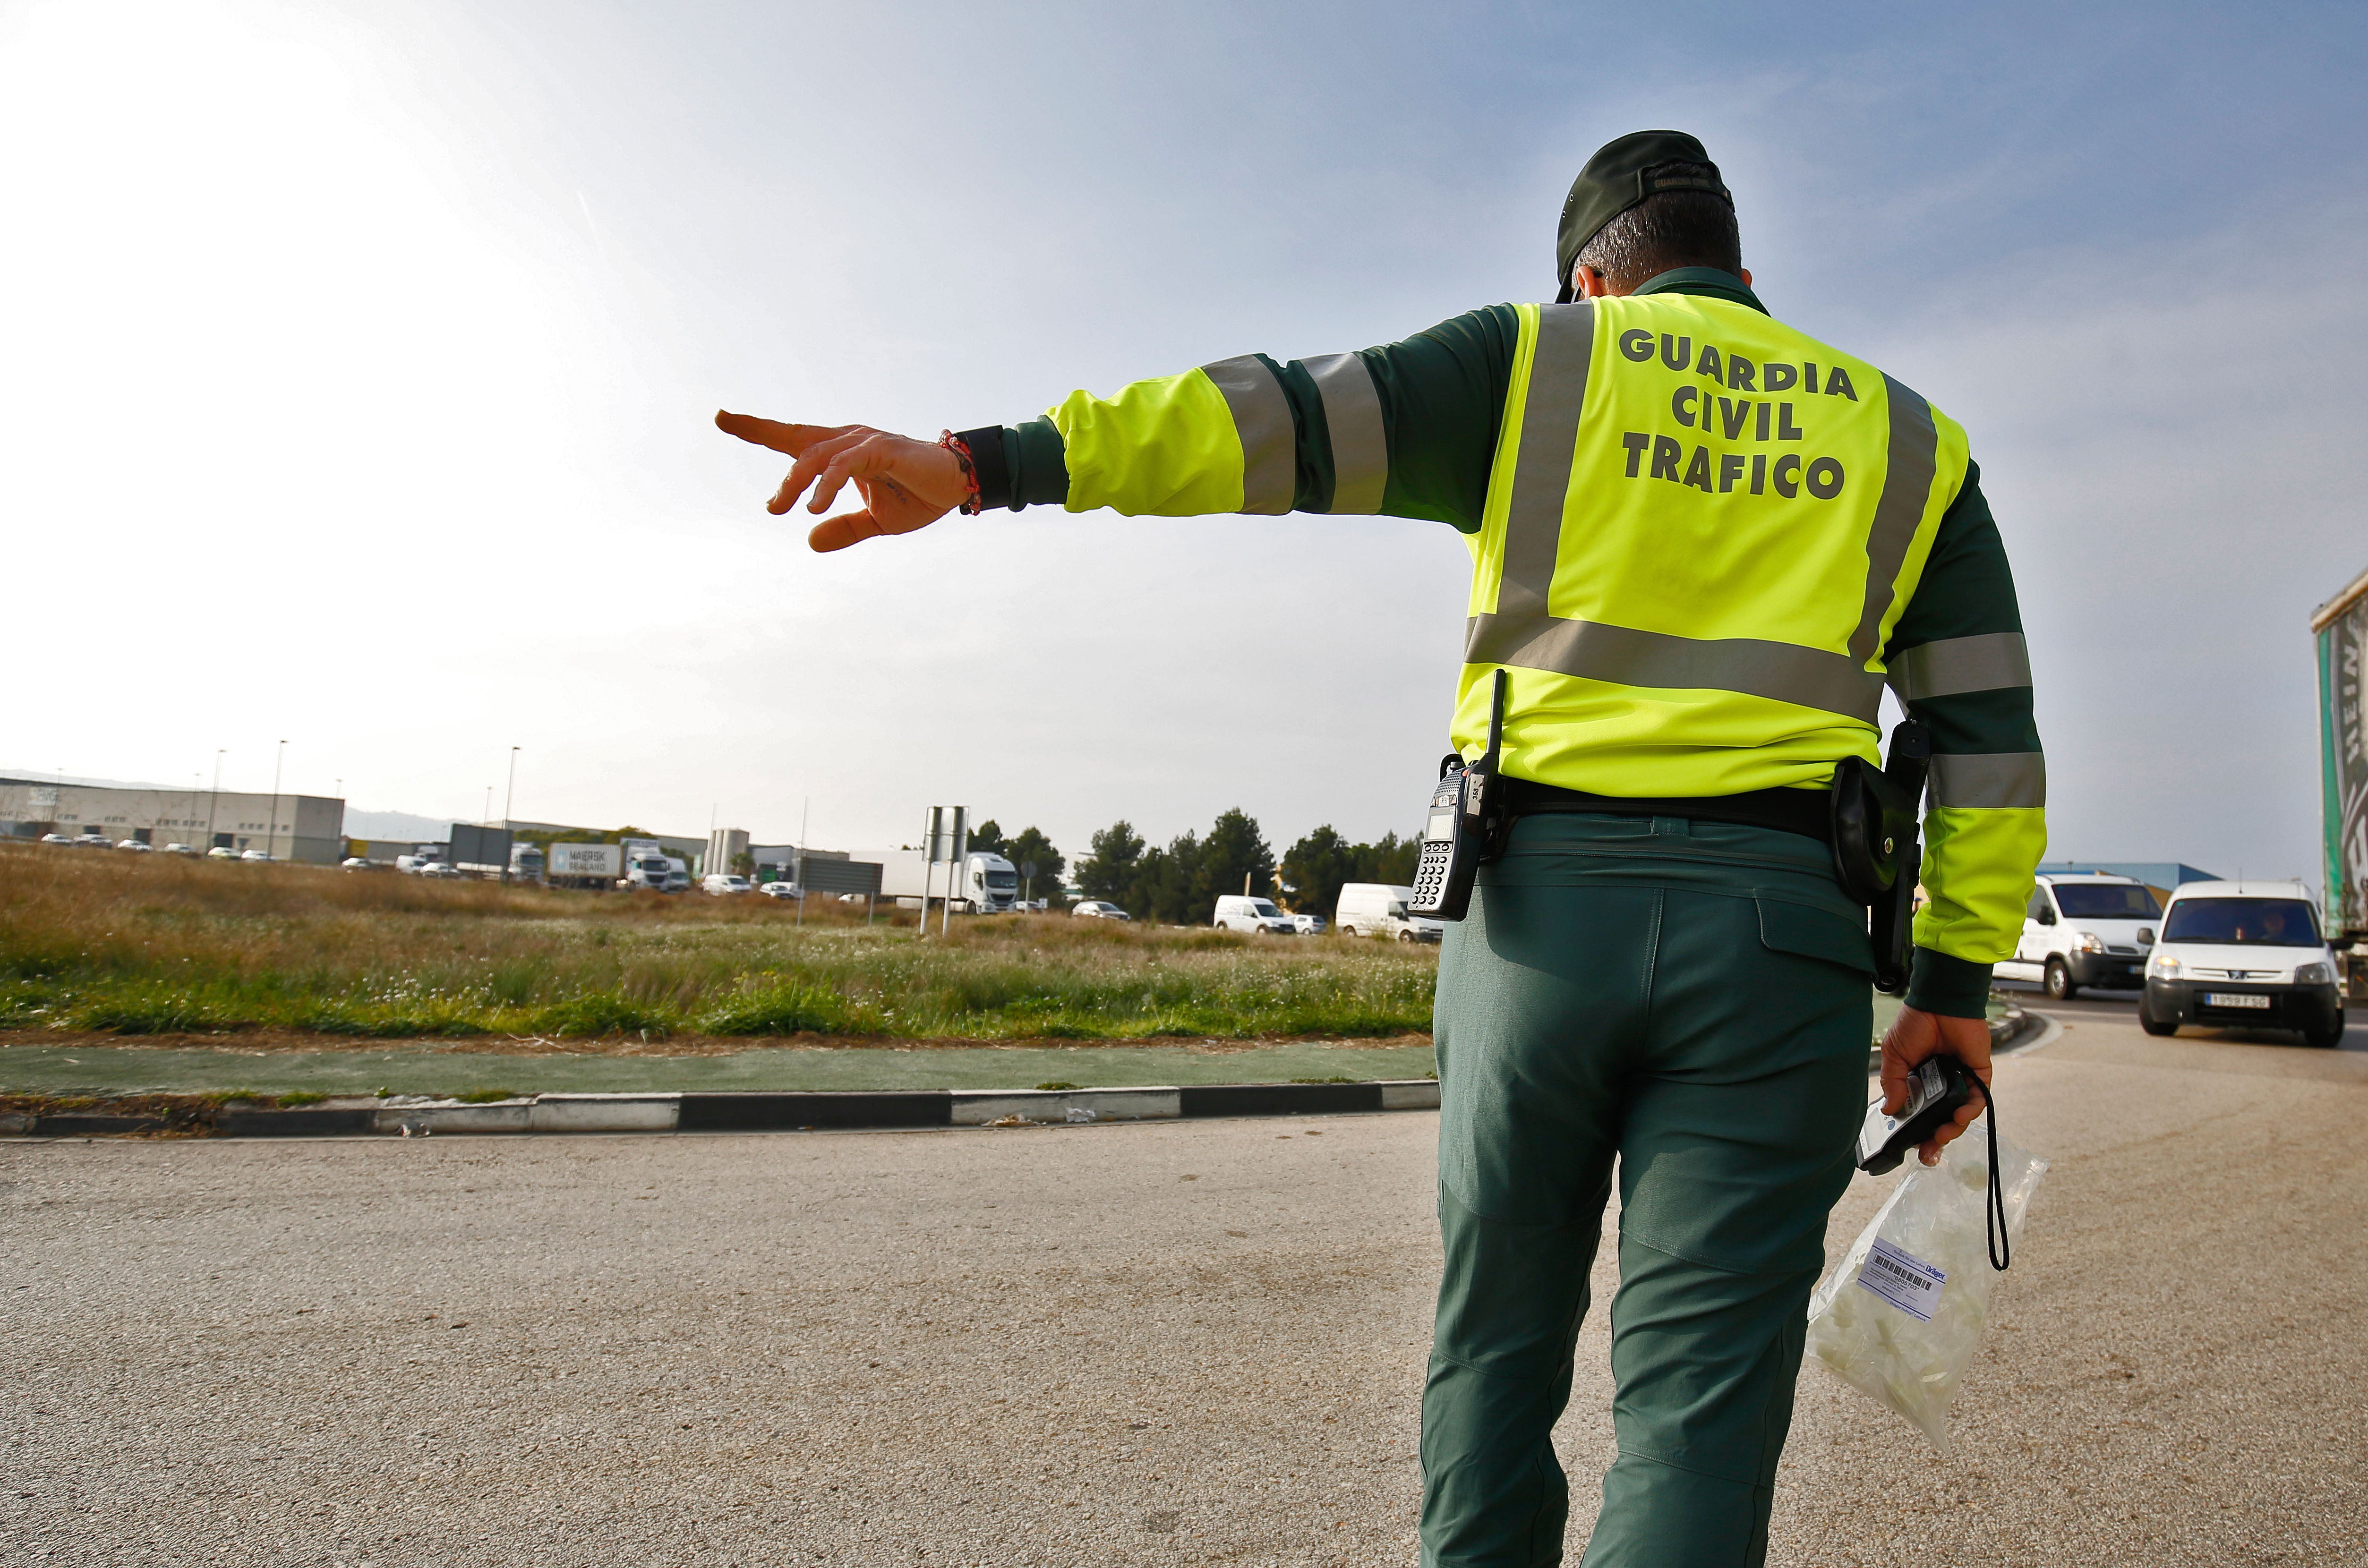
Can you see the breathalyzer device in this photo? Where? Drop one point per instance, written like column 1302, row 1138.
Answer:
column 1459, row 830
column 1935, row 1090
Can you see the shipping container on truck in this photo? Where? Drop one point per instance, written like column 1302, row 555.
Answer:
column 589, row 865
column 2341, row 627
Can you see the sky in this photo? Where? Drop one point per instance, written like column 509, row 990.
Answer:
column 360, row 361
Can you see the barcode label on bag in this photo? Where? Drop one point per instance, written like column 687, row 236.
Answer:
column 1904, row 1279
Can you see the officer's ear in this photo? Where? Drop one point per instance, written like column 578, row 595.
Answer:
column 1587, row 282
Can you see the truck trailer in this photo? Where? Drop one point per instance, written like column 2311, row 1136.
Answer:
column 2341, row 627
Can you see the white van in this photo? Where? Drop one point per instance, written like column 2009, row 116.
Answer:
column 721, row 883
column 1379, row 909
column 2085, row 928
column 1258, row 916
column 2241, row 955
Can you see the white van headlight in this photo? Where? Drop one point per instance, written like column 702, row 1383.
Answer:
column 2089, row 942
column 2166, row 967
column 2314, row 974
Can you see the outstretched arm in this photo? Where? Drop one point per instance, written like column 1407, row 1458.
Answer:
column 1407, row 429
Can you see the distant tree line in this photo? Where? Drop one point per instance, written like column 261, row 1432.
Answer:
column 1180, row 882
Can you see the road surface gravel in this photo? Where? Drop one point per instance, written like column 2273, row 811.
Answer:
column 1185, row 1342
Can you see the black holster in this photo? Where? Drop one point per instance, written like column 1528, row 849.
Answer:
column 1877, row 854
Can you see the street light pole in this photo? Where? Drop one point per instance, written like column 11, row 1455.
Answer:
column 214, row 798
column 271, row 839
column 509, row 800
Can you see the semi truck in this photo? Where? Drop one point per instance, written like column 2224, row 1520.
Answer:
column 649, row 867
column 2341, row 627
column 983, row 883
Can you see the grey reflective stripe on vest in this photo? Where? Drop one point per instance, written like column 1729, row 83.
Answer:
column 1906, row 483
column 1782, row 672
column 1352, row 412
column 1262, row 419
column 1991, row 662
column 1521, row 633
column 1542, row 466
column 1995, row 780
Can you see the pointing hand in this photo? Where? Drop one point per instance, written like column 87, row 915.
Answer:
column 905, row 485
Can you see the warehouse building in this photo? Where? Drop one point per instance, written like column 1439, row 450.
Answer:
column 291, row 827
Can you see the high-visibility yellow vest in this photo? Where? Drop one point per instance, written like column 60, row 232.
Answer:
column 1701, row 526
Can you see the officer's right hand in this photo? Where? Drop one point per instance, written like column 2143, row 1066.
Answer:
column 1916, row 1035
column 905, row 485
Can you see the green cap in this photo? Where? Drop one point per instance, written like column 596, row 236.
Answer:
column 1620, row 175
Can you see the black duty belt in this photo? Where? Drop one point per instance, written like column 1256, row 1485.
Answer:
column 1808, row 812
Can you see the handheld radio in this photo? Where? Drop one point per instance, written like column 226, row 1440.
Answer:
column 1462, row 826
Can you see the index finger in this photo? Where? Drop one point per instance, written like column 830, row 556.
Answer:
column 791, row 439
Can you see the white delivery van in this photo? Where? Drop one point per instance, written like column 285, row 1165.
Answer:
column 1258, row 916
column 2085, row 928
column 2241, row 955
column 1379, row 909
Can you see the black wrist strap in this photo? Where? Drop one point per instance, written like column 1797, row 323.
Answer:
column 1993, row 1201
column 991, row 466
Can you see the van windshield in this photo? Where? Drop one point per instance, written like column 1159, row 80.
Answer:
column 1262, row 906
column 2242, row 923
column 2106, row 901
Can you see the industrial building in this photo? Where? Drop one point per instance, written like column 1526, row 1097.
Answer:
column 291, row 827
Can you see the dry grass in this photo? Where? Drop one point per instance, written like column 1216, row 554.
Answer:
column 93, row 940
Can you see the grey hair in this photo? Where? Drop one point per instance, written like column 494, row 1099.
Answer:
column 1675, row 228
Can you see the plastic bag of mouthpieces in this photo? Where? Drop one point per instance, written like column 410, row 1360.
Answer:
column 1902, row 1313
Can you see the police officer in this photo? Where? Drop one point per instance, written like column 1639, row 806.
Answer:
column 1703, row 542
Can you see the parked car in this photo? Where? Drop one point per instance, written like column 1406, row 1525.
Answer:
column 2085, row 928
column 2244, row 955
column 780, row 889
column 180, row 849
column 1100, row 909
column 134, row 845
column 357, row 863
column 1379, row 909
column 440, row 872
column 221, row 852
column 55, row 838
column 722, row 883
column 256, row 855
column 1258, row 916
column 94, row 840
column 1310, row 924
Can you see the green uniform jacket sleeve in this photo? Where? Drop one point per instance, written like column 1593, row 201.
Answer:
column 1957, row 660
column 1407, row 429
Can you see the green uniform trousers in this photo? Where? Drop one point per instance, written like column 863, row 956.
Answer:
column 1692, row 997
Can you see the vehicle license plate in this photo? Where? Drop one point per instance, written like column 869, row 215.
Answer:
column 2234, row 999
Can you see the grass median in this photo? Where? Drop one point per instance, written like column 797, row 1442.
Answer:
column 96, row 942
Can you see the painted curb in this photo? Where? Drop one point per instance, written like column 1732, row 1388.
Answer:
column 757, row 1111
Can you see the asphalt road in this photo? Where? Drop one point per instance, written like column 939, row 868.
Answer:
column 1189, row 1343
